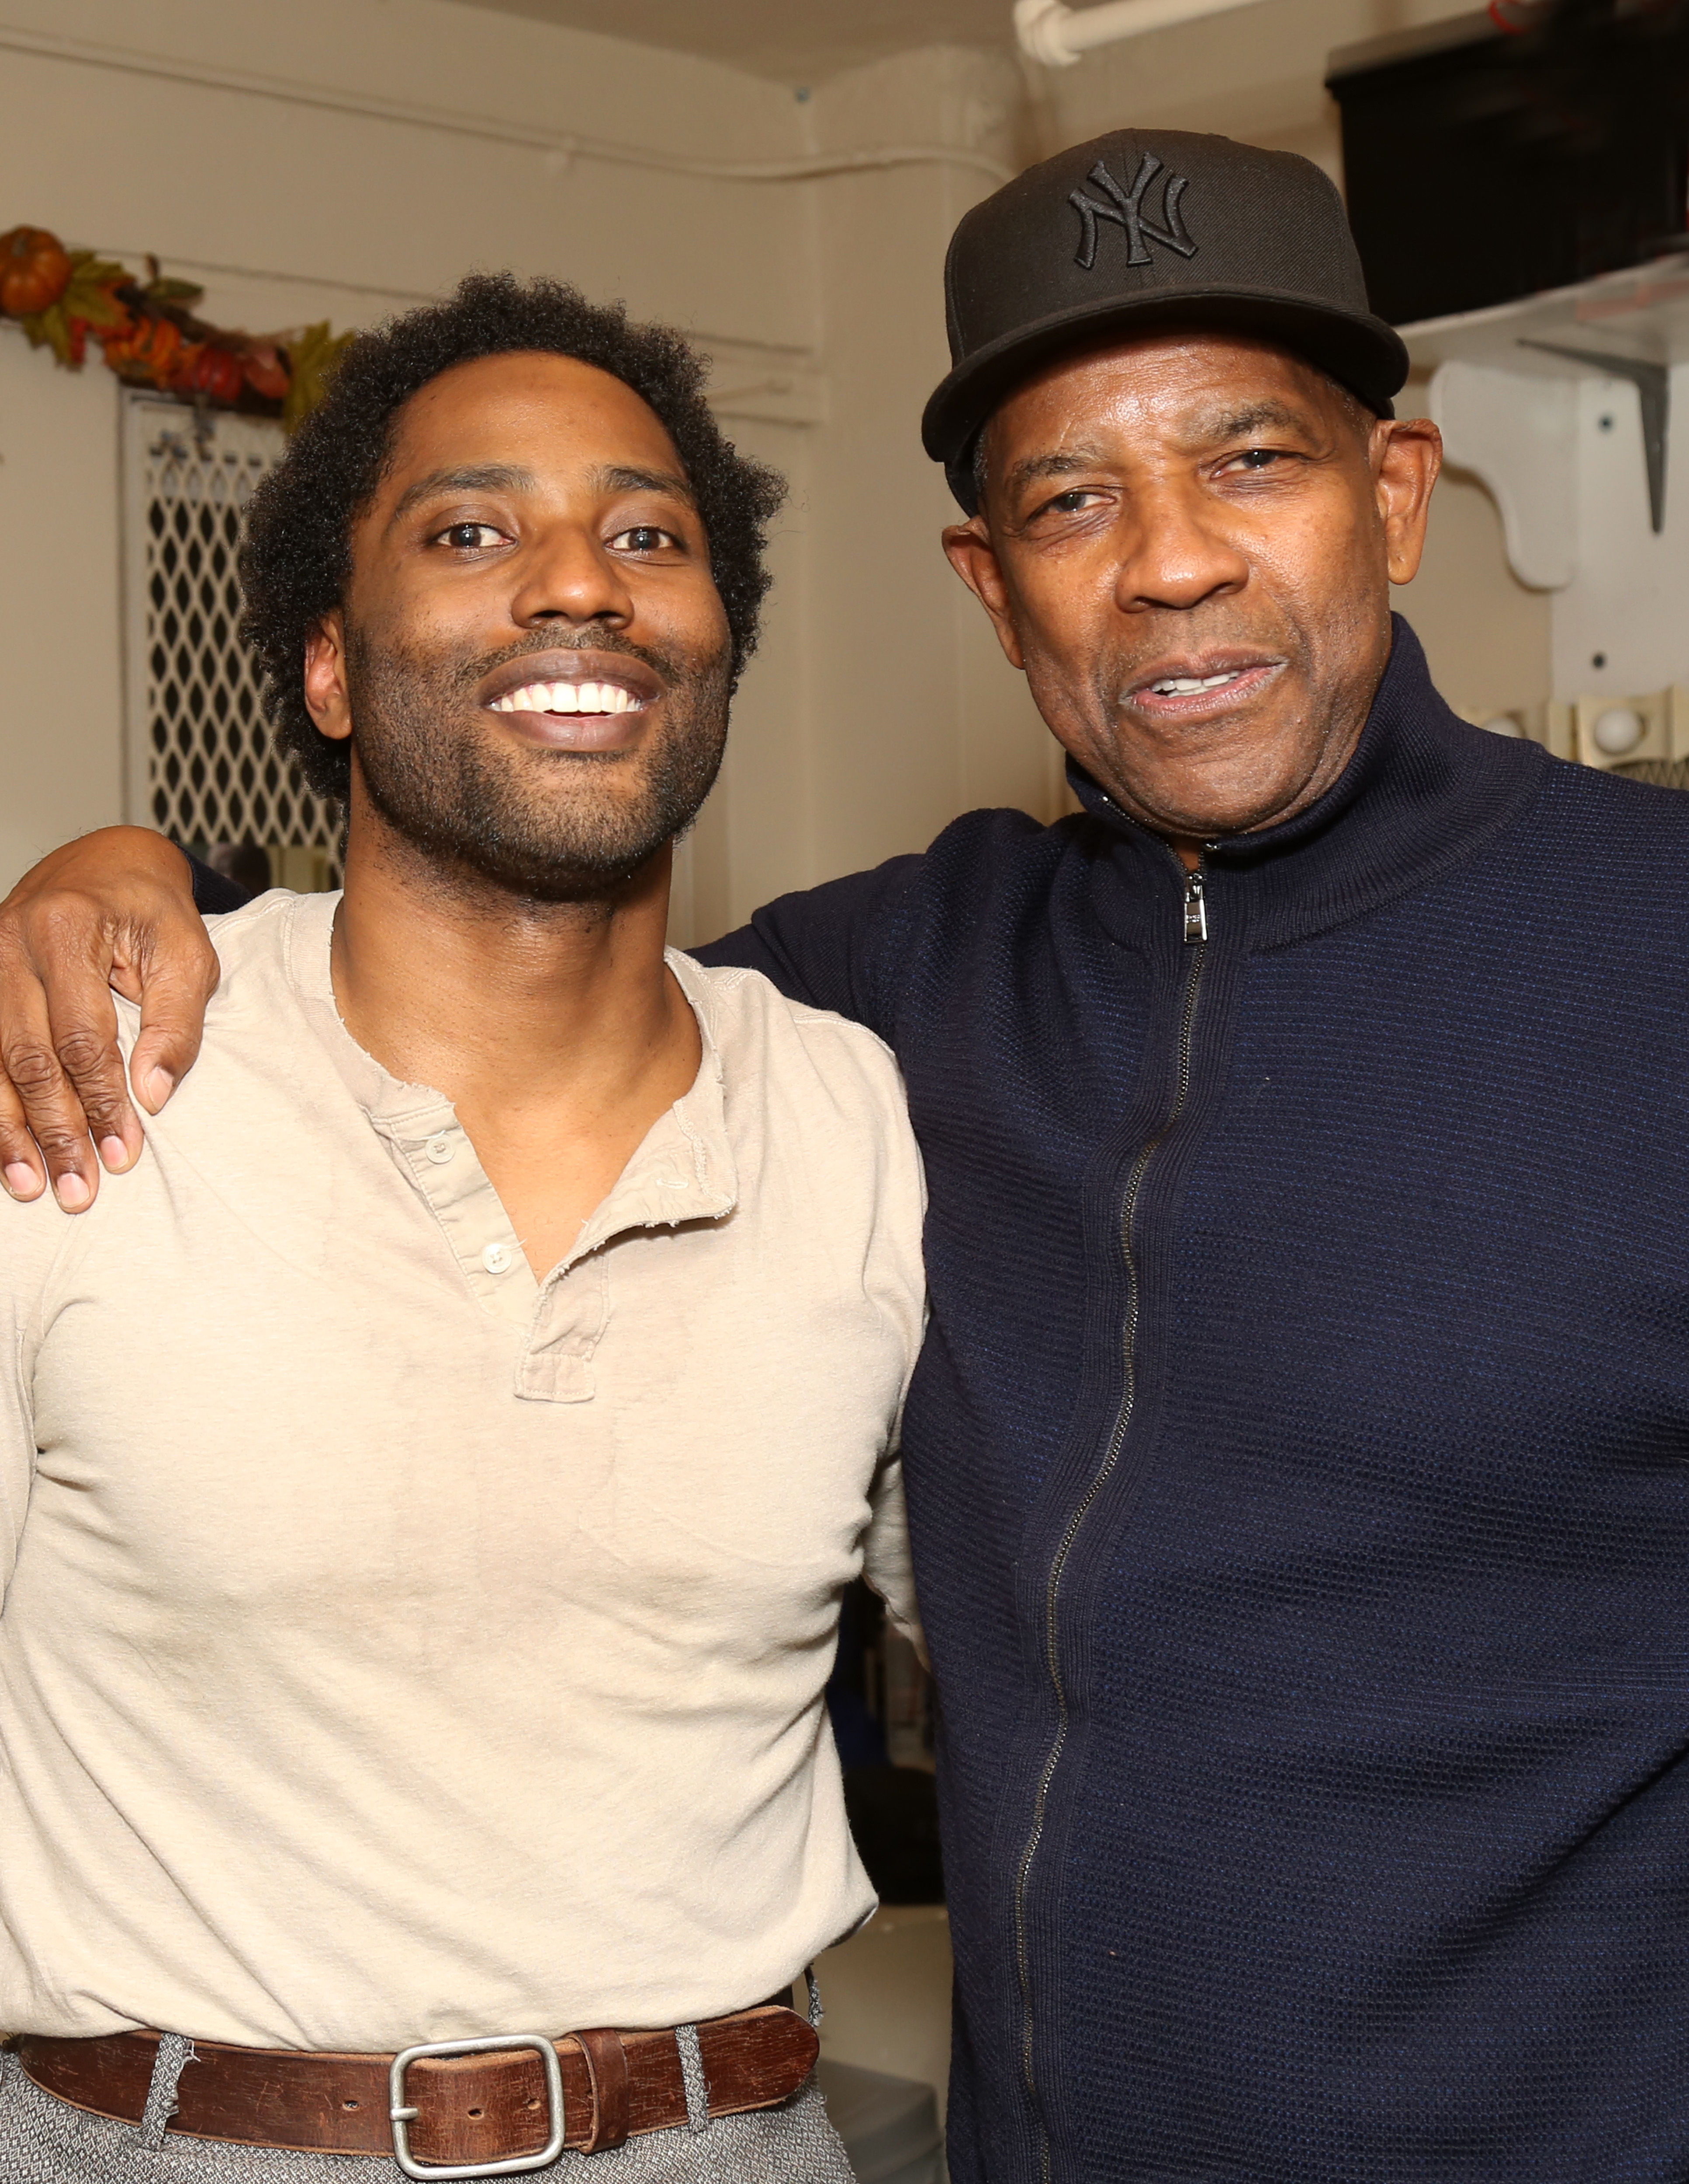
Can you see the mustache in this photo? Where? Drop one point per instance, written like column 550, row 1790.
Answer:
column 669, row 670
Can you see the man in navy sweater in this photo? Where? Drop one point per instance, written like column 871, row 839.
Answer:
column 1299, row 1457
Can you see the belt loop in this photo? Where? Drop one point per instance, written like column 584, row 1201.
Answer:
column 607, row 2068
column 691, row 2075
column 175, row 2054
column 816, row 2012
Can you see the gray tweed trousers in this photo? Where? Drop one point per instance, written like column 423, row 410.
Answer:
column 45, row 2140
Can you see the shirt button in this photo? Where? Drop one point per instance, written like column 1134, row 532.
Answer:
column 496, row 1258
column 439, row 1151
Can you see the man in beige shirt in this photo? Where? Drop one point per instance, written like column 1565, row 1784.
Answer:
column 425, row 1495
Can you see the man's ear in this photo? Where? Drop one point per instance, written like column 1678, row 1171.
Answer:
column 1406, row 454
column 974, row 559
column 325, row 698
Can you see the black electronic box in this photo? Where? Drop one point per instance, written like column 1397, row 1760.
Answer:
column 1484, row 163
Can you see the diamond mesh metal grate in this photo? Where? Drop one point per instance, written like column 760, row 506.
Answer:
column 202, row 767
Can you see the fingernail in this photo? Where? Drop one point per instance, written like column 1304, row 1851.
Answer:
column 71, row 1192
column 160, row 1086
column 21, row 1181
column 115, row 1154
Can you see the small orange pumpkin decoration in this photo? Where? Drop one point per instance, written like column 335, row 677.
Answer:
column 147, row 349
column 35, row 271
column 204, row 368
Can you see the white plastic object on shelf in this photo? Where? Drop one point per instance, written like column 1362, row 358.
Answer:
column 1618, row 730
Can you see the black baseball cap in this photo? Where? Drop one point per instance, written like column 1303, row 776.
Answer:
column 1148, row 224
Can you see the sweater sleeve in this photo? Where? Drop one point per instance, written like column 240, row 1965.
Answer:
column 832, row 947
column 214, row 894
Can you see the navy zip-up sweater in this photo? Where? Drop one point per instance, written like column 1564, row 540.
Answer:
column 1299, row 1465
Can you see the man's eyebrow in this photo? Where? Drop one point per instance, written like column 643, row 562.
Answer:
column 1265, row 415
column 509, row 478
column 482, row 477
column 1059, row 463
column 623, row 477
column 1254, row 417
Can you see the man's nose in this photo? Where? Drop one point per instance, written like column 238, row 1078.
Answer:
column 569, row 575
column 1174, row 553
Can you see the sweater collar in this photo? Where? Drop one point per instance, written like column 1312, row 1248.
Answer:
column 1423, row 791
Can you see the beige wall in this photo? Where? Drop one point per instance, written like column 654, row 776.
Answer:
column 896, row 710
column 341, row 158
column 1487, row 638
column 60, row 755
column 919, row 712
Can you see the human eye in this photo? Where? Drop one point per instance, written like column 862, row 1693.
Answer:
column 644, row 538
column 468, row 537
column 1071, row 500
column 1256, row 462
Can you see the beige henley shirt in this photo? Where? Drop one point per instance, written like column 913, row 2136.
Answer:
column 396, row 1647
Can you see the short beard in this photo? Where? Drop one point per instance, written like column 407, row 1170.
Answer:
column 458, row 804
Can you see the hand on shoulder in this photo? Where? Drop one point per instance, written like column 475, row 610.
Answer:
column 113, row 909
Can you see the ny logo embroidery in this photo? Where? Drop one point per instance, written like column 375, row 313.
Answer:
column 1125, row 208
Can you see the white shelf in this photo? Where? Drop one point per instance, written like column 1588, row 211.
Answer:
column 1577, row 452
column 1641, row 315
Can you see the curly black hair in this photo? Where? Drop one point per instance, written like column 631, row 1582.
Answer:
column 297, row 555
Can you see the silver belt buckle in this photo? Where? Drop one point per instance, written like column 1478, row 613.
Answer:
column 402, row 2117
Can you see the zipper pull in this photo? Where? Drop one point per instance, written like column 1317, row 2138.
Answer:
column 1195, row 909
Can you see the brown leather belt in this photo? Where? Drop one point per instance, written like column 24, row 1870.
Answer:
column 457, row 2112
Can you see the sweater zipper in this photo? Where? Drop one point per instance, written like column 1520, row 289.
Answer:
column 1195, row 908
column 1196, row 930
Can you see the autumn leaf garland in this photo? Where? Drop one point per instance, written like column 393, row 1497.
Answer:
column 149, row 336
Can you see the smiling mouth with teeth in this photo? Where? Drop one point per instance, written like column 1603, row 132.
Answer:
column 566, row 698
column 1187, row 686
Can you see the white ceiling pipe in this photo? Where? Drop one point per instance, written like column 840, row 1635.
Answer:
column 1059, row 35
